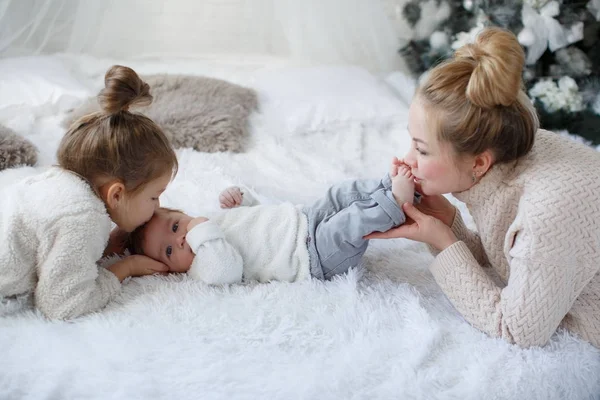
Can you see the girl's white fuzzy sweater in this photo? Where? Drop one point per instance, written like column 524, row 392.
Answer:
column 54, row 229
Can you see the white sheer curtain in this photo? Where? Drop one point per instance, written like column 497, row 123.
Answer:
column 323, row 31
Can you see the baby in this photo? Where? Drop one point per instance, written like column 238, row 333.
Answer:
column 283, row 242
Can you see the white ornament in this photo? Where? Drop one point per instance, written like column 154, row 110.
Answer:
column 439, row 40
column 567, row 84
column 562, row 96
column 526, row 37
column 468, row 5
column 547, row 31
column 432, row 15
column 594, row 7
column 596, row 105
column 537, row 4
column 462, row 38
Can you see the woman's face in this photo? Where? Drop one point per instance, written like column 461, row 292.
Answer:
column 436, row 168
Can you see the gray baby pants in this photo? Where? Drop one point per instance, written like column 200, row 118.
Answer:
column 338, row 222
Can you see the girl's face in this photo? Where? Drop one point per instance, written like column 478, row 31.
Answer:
column 436, row 168
column 133, row 210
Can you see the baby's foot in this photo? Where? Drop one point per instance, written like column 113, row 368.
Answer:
column 396, row 163
column 403, row 186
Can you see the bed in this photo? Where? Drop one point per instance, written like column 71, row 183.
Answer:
column 382, row 331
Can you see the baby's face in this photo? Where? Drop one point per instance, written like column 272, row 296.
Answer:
column 164, row 240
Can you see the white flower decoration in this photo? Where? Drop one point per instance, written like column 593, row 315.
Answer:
column 596, row 105
column 537, row 4
column 562, row 96
column 462, row 38
column 541, row 31
column 594, row 7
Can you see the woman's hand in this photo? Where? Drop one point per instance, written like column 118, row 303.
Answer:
column 438, row 207
column 421, row 228
column 137, row 265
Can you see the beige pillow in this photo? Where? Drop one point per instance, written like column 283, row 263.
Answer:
column 203, row 113
column 15, row 150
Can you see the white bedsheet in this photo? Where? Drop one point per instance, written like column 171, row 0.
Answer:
column 383, row 332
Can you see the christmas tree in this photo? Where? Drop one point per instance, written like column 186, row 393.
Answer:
column 561, row 42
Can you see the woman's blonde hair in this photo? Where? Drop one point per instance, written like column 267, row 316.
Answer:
column 115, row 143
column 478, row 99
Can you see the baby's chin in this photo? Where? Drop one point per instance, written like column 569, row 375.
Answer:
column 179, row 270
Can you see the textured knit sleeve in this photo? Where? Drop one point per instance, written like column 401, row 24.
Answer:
column 543, row 285
column 70, row 283
column 216, row 262
column 470, row 238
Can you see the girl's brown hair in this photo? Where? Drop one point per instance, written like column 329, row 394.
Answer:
column 115, row 143
column 478, row 99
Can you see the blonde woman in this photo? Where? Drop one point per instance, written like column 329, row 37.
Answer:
column 534, row 197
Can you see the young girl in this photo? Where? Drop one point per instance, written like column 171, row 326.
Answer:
column 54, row 227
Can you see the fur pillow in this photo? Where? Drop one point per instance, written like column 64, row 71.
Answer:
column 206, row 114
column 15, row 150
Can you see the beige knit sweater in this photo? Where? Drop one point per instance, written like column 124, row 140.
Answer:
column 539, row 232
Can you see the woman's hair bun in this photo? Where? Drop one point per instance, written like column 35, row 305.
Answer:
column 498, row 61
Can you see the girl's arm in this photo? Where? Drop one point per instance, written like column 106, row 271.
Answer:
column 70, row 283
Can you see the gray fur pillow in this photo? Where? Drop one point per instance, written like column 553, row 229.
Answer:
column 206, row 114
column 15, row 150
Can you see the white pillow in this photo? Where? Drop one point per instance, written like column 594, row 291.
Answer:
column 298, row 101
column 36, row 81
column 403, row 85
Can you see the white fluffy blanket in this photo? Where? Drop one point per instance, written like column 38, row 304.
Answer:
column 384, row 331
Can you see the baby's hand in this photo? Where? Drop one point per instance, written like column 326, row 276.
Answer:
column 231, row 197
column 196, row 221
